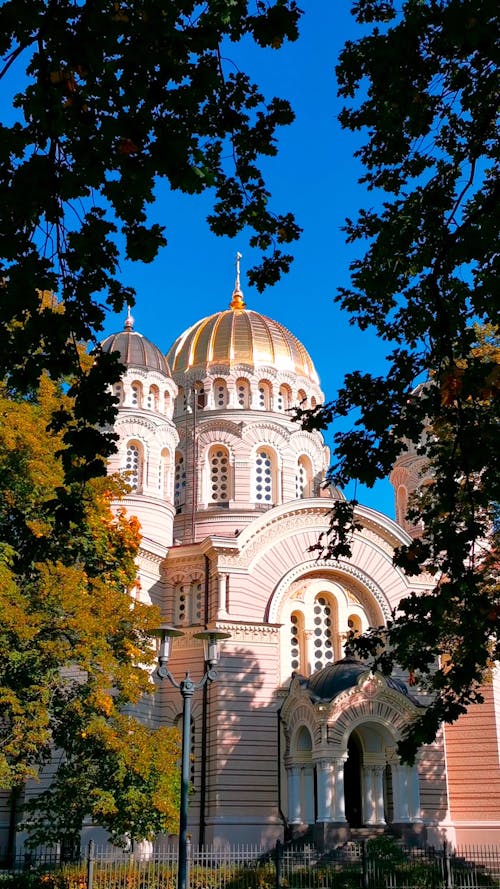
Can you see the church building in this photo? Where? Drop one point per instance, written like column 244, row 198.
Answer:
column 294, row 738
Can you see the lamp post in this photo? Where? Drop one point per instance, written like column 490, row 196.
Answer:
column 211, row 640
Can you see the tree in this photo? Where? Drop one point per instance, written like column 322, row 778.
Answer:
column 74, row 645
column 424, row 84
column 115, row 95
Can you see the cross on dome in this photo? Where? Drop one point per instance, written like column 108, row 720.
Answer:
column 237, row 301
column 129, row 321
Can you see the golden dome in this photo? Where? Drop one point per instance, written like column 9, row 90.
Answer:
column 240, row 336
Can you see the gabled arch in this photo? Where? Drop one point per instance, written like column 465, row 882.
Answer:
column 381, row 612
column 375, row 703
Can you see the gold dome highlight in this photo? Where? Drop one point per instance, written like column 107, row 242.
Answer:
column 240, row 336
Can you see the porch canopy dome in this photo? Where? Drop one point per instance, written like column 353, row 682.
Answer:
column 327, row 683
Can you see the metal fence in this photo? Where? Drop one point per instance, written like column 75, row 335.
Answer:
column 378, row 864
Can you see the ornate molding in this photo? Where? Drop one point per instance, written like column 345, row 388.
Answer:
column 138, row 420
column 338, row 569
column 252, row 432
column 148, row 556
column 250, row 633
column 217, row 426
column 370, row 700
column 183, row 563
column 296, row 518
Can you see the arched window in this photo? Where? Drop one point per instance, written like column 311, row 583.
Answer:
column 179, row 481
column 220, row 485
column 264, row 400
column 302, row 398
column 201, row 398
column 153, row 398
column 354, row 624
column 313, row 401
column 181, row 402
column 166, row 402
column 163, row 472
column 297, row 642
column 118, row 392
column 189, row 603
column 265, row 476
column 243, row 393
column 136, row 394
column 303, row 742
column 324, row 629
column 304, row 478
column 220, row 393
column 134, row 464
column 283, row 400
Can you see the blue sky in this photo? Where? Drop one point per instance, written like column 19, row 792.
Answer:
column 315, row 176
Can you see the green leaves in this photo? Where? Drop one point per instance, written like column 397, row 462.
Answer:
column 113, row 97
column 421, row 86
column 73, row 652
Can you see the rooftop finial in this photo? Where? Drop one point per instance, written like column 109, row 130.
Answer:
column 129, row 322
column 237, row 301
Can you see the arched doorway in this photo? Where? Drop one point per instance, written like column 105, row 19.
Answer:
column 352, row 782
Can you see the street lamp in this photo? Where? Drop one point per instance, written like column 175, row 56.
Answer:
column 211, row 640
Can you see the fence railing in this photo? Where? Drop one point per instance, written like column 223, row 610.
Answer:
column 377, row 864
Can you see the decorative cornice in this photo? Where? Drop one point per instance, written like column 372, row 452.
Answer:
column 249, row 633
column 176, row 560
column 148, row 556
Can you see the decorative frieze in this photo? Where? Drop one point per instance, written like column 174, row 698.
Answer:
column 265, row 634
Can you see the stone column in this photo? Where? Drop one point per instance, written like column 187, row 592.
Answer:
column 209, row 395
column 231, row 394
column 413, row 795
column 221, row 595
column 326, row 790
column 339, row 788
column 309, row 650
column 294, row 812
column 308, row 794
column 378, row 793
column 368, row 801
column 400, row 794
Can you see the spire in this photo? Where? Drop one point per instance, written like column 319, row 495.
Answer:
column 129, row 322
column 237, row 301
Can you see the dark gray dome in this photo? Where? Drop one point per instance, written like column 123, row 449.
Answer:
column 329, row 682
column 135, row 350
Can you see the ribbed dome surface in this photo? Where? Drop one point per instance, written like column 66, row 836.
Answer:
column 240, row 336
column 136, row 351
